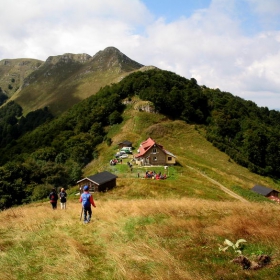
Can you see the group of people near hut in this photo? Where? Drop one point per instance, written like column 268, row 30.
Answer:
column 154, row 175
column 114, row 161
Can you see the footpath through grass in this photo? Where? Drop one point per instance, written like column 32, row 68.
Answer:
column 137, row 239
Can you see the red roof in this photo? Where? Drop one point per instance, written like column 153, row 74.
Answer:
column 145, row 146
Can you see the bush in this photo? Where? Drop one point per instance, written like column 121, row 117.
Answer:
column 41, row 192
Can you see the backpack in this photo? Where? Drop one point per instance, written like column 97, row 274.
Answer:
column 62, row 196
column 53, row 196
column 86, row 199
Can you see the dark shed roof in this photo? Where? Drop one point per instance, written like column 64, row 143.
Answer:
column 128, row 143
column 101, row 178
column 262, row 190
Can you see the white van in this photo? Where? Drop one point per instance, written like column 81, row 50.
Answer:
column 127, row 150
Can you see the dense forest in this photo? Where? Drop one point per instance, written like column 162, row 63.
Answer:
column 3, row 97
column 39, row 152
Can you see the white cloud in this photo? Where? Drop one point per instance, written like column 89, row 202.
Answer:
column 55, row 27
column 267, row 7
column 210, row 45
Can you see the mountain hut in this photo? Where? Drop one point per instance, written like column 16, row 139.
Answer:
column 100, row 182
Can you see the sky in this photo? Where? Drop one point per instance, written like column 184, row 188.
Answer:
column 233, row 45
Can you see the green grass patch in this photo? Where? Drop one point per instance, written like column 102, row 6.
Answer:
column 124, row 171
column 250, row 195
column 136, row 226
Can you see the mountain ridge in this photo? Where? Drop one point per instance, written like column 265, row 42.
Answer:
column 64, row 80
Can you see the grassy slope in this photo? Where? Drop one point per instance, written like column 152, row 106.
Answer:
column 18, row 70
column 70, row 91
column 147, row 229
column 60, row 83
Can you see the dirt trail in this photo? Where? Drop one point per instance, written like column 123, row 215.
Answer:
column 226, row 190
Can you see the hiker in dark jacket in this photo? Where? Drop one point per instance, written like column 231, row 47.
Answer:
column 62, row 196
column 53, row 198
column 87, row 200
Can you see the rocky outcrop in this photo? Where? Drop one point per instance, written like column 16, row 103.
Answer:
column 68, row 57
column 145, row 106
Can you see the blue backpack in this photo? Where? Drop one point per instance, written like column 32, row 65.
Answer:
column 86, row 199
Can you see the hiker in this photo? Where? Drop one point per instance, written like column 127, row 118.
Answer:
column 53, row 198
column 62, row 196
column 87, row 200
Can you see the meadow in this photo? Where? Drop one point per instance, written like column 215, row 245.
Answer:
column 172, row 238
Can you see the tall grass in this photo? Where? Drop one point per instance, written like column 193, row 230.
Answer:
column 137, row 239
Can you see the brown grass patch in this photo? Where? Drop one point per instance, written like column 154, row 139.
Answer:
column 134, row 239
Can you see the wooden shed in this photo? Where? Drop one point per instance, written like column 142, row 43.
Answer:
column 99, row 182
column 124, row 144
column 265, row 191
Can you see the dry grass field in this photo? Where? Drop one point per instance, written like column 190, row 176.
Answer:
column 138, row 239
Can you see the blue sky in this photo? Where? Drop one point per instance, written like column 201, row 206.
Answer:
column 252, row 19
column 174, row 9
column 233, row 45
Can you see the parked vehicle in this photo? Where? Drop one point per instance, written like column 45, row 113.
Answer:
column 124, row 156
column 118, row 154
column 127, row 150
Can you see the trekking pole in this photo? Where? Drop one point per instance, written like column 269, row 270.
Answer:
column 82, row 213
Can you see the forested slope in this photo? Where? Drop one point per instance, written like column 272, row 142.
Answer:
column 55, row 153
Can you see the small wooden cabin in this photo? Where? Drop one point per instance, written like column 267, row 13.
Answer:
column 99, row 182
column 124, row 144
column 265, row 191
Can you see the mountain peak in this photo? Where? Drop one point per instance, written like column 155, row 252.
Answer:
column 64, row 80
column 111, row 49
column 111, row 58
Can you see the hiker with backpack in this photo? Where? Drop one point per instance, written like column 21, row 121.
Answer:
column 87, row 200
column 53, row 198
column 62, row 196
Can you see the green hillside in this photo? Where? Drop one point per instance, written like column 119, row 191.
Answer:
column 144, row 228
column 198, row 161
column 36, row 157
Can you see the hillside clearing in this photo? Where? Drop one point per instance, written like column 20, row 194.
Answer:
column 226, row 190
